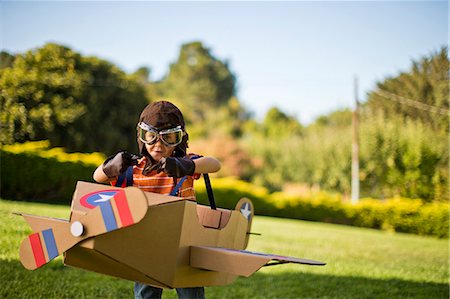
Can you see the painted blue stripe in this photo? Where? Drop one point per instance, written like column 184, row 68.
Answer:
column 108, row 216
column 120, row 180
column 178, row 186
column 129, row 176
column 50, row 243
column 126, row 177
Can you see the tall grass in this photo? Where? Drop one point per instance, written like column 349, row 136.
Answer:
column 361, row 263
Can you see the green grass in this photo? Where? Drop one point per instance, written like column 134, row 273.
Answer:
column 361, row 263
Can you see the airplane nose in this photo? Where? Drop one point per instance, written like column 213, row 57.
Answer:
column 76, row 229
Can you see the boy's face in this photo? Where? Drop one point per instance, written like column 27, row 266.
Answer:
column 159, row 150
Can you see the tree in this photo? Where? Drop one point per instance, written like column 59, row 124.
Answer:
column 82, row 103
column 403, row 157
column 278, row 124
column 274, row 147
column 337, row 119
column 39, row 92
column 142, row 74
column 418, row 94
column 6, row 59
column 198, row 82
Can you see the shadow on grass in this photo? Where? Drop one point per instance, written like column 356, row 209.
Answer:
column 309, row 285
column 56, row 281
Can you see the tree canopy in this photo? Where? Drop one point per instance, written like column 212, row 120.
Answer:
column 88, row 104
column 421, row 93
column 198, row 82
column 82, row 103
column 6, row 59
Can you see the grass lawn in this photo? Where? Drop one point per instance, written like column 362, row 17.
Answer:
column 361, row 263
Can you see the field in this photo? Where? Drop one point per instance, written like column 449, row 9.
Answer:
column 361, row 263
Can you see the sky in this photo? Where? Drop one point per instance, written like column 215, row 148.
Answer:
column 300, row 56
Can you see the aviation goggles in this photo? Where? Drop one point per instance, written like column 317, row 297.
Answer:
column 150, row 135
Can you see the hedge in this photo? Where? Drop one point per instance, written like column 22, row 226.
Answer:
column 396, row 214
column 34, row 172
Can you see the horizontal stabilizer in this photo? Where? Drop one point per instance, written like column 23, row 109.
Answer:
column 239, row 262
column 38, row 223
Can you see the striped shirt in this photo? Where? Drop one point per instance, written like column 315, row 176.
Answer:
column 161, row 183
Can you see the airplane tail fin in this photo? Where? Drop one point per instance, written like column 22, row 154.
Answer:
column 41, row 246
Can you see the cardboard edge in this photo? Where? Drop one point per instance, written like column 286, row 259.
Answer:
column 240, row 262
column 79, row 257
column 223, row 260
column 38, row 223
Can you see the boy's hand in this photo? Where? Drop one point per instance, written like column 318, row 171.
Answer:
column 116, row 165
column 177, row 167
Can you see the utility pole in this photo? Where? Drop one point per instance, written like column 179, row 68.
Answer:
column 355, row 147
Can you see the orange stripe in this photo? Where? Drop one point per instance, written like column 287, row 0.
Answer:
column 160, row 182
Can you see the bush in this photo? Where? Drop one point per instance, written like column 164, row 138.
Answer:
column 228, row 191
column 30, row 171
column 396, row 214
column 324, row 207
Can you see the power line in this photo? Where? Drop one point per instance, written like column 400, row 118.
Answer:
column 412, row 103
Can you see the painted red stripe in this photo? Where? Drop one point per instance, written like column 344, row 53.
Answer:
column 124, row 210
column 36, row 247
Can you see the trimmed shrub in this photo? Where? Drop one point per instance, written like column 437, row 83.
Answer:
column 32, row 172
column 401, row 215
column 397, row 214
column 228, row 191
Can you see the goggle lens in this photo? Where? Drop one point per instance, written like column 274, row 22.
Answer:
column 171, row 137
column 150, row 135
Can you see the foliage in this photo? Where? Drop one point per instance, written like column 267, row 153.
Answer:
column 88, row 104
column 276, row 123
column 316, row 157
column 42, row 149
column 6, row 59
column 82, row 103
column 235, row 160
column 402, row 157
column 402, row 152
column 395, row 214
column 402, row 215
column 336, row 119
column 32, row 171
column 38, row 93
column 227, row 192
column 427, row 83
column 198, row 83
column 360, row 263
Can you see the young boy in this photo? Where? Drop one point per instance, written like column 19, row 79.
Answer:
column 165, row 168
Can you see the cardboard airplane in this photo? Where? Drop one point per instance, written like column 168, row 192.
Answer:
column 155, row 239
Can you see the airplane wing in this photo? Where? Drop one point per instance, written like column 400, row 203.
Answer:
column 110, row 210
column 81, row 257
column 239, row 262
